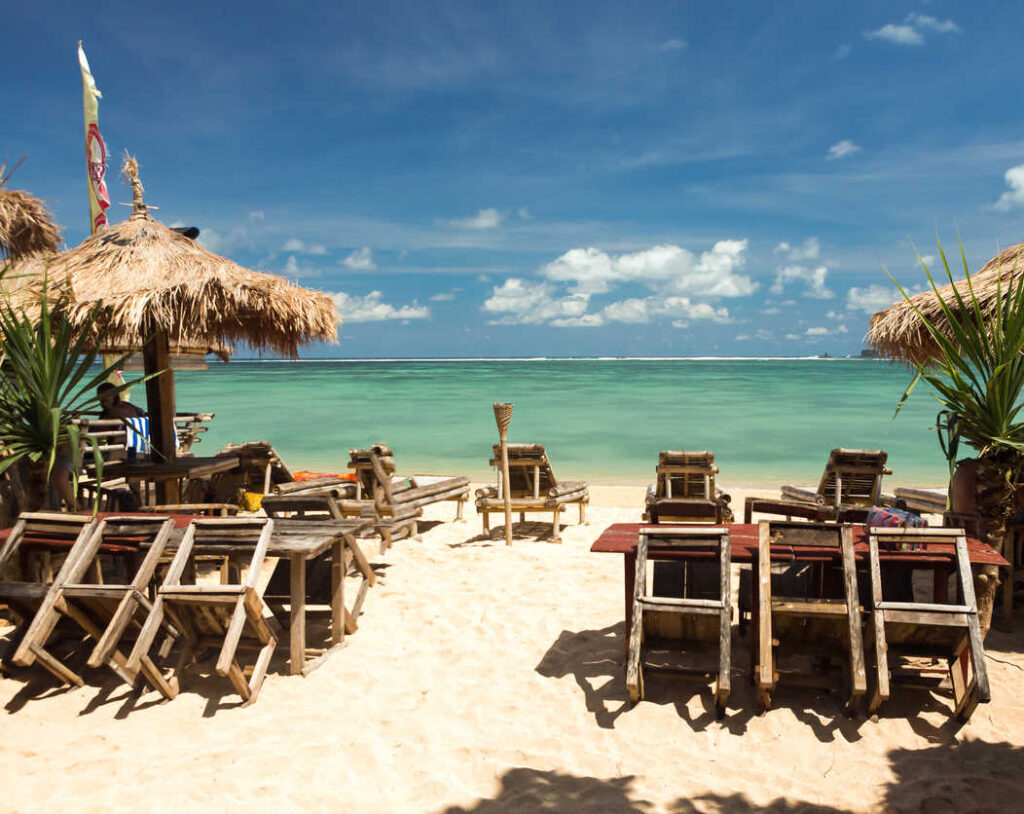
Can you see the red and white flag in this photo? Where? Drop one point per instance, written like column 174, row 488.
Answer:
column 95, row 149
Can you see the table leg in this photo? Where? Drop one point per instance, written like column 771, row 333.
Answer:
column 297, row 626
column 338, row 592
column 629, row 577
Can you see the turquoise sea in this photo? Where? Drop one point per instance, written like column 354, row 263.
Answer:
column 767, row 420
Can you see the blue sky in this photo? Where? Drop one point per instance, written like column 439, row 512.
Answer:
column 547, row 178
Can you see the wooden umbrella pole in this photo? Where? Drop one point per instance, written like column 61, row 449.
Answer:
column 503, row 415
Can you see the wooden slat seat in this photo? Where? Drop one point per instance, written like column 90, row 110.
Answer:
column 816, row 624
column 532, row 486
column 950, row 632
column 702, row 623
column 229, row 615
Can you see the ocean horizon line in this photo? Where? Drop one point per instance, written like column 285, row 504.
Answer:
column 355, row 360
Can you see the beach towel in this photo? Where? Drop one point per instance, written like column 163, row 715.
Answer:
column 137, row 435
column 879, row 517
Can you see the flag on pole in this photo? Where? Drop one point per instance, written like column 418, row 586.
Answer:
column 95, row 150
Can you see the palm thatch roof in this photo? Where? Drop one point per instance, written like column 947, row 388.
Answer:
column 26, row 225
column 143, row 276
column 898, row 331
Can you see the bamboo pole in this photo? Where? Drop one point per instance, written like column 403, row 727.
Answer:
column 503, row 416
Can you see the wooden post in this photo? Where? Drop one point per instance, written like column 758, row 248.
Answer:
column 160, row 402
column 503, row 416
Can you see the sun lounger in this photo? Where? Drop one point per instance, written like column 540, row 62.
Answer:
column 702, row 622
column 685, row 490
column 259, row 469
column 950, row 632
column 803, row 618
column 852, row 479
column 189, row 427
column 923, row 501
column 532, row 487
column 102, row 608
column 374, row 468
column 226, row 615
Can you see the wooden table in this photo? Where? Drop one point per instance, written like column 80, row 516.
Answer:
column 622, row 538
column 187, row 468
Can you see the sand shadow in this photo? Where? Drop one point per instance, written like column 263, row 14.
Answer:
column 529, row 531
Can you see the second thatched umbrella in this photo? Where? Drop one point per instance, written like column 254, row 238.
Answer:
column 26, row 225
column 151, row 286
column 898, row 331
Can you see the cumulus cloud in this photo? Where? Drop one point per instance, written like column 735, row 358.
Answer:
column 810, row 249
column 360, row 260
column 444, row 296
column 871, row 299
column 484, row 219
column 1015, row 195
column 293, row 244
column 370, row 308
column 817, row 332
column 814, row 280
column 842, row 149
column 294, row 270
column 910, row 31
column 681, row 308
column 525, row 302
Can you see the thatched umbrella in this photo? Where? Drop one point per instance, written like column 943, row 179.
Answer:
column 26, row 225
column 155, row 287
column 897, row 331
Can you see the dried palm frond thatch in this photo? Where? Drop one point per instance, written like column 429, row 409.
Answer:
column 26, row 225
column 898, row 331
column 145, row 276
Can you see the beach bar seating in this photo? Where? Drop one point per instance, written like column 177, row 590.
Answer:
column 852, row 481
column 532, row 487
column 903, row 631
column 802, row 610
column 703, row 623
column 685, row 490
column 37, row 539
column 104, row 609
column 226, row 615
column 374, row 469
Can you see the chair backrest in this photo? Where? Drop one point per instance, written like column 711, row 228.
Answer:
column 303, row 507
column 853, row 477
column 111, row 438
column 45, row 530
column 369, row 482
column 189, row 427
column 924, row 542
column 686, row 474
column 126, row 535
column 804, row 535
column 223, row 536
column 529, row 471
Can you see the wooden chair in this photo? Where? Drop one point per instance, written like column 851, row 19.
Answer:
column 814, row 624
column 228, row 616
column 103, row 609
column 852, row 479
column 37, row 537
column 930, row 629
column 374, row 468
column 189, row 427
column 696, row 620
column 533, row 488
column 685, row 490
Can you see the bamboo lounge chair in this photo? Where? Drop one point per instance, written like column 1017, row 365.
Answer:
column 852, row 480
column 804, row 618
column 704, row 623
column 946, row 631
column 105, row 610
column 532, row 487
column 226, row 615
column 375, row 477
column 685, row 490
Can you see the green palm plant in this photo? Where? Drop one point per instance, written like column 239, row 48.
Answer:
column 48, row 380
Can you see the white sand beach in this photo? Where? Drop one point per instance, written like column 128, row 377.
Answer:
column 484, row 679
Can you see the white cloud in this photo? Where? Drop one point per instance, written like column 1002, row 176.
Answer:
column 371, row 309
column 792, row 336
column 842, row 52
column 293, row 244
column 524, row 302
column 741, row 337
column 643, row 310
column 933, row 24
column 814, row 279
column 668, row 269
column 524, row 213
column 673, row 44
column 360, row 260
column 810, row 249
column 293, row 270
column 841, row 149
column 817, row 332
column 484, row 219
column 872, row 299
column 445, row 296
column 899, row 34
column 1015, row 196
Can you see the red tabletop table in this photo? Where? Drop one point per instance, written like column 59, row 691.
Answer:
column 622, row 538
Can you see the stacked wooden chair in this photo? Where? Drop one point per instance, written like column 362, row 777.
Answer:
column 685, row 490
column 704, row 623
column 105, row 610
column 227, row 615
column 533, row 488
column 946, row 631
column 794, row 613
column 190, row 427
column 850, row 484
